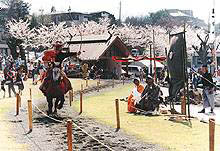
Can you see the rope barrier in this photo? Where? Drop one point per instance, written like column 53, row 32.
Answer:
column 63, row 123
column 75, row 126
column 46, row 114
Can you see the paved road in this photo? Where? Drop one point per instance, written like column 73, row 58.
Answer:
column 195, row 108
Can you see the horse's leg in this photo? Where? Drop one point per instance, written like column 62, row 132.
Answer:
column 50, row 104
column 62, row 100
column 56, row 104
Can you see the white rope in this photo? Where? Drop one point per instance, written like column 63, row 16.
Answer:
column 74, row 125
column 46, row 114
column 93, row 137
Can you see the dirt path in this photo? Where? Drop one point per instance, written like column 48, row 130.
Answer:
column 51, row 136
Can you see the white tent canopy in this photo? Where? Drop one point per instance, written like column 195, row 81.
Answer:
column 147, row 63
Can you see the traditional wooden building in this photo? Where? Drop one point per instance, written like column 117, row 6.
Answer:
column 98, row 50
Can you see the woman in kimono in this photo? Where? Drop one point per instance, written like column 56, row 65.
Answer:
column 134, row 97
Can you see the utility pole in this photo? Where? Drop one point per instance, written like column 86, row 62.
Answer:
column 213, row 38
column 155, row 68
column 120, row 12
column 150, row 59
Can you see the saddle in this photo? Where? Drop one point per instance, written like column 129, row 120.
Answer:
column 55, row 88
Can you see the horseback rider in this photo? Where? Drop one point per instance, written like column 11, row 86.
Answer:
column 55, row 83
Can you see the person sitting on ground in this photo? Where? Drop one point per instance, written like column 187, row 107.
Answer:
column 134, row 97
column 150, row 98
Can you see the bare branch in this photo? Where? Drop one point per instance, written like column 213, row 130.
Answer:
column 200, row 38
column 206, row 38
column 195, row 47
column 217, row 46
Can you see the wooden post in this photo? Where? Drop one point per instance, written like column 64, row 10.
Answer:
column 81, row 87
column 19, row 97
column 69, row 135
column 80, row 102
column 211, row 134
column 117, row 113
column 113, row 83
column 87, row 82
column 99, row 80
column 30, row 115
column 70, row 96
column 183, row 105
column 17, row 104
column 30, row 94
column 97, row 86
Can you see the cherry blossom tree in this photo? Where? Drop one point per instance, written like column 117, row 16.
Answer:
column 132, row 36
column 18, row 33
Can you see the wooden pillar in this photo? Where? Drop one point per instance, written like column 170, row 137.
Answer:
column 70, row 96
column 81, row 87
column 69, row 135
column 30, row 94
column 19, row 97
column 117, row 113
column 97, row 86
column 113, row 82
column 183, row 105
column 81, row 99
column 30, row 115
column 87, row 82
column 211, row 134
column 17, row 104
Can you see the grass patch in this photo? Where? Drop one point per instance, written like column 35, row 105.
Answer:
column 177, row 136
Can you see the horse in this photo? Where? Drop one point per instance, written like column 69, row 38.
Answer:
column 56, row 84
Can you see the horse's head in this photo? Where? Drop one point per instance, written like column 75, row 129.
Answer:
column 56, row 72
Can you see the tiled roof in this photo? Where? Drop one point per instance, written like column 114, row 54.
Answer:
column 95, row 47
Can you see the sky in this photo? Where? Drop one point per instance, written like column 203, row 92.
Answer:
column 201, row 8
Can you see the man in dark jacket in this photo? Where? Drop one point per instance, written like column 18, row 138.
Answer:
column 208, row 90
column 150, row 96
column 9, row 74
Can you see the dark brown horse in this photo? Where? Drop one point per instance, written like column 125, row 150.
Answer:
column 55, row 85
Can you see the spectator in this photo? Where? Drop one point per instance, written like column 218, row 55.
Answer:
column 150, row 96
column 9, row 74
column 134, row 97
column 208, row 90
